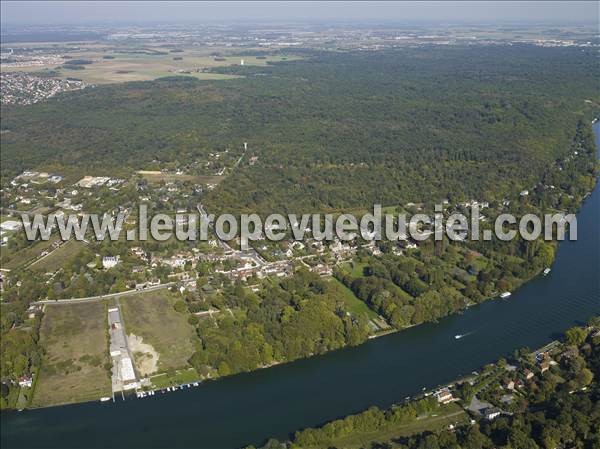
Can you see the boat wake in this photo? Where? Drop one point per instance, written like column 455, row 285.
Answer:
column 459, row 336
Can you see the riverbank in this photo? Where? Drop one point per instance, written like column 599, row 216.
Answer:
column 496, row 390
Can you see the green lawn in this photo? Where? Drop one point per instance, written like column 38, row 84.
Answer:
column 177, row 377
column 355, row 268
column 354, row 305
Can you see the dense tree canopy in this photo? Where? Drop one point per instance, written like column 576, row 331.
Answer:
column 333, row 130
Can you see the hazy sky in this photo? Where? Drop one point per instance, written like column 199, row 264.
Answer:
column 88, row 12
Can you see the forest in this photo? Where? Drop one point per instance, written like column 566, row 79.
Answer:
column 331, row 131
column 298, row 317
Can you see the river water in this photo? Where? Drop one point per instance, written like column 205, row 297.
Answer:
column 249, row 408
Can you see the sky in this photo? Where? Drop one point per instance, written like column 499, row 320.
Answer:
column 188, row 12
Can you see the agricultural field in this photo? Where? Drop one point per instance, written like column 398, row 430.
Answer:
column 117, row 64
column 160, row 338
column 74, row 339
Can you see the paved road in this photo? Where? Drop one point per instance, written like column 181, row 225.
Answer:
column 110, row 295
column 129, row 353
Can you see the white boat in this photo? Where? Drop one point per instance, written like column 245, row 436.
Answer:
column 458, row 336
column 505, row 295
column 104, row 399
column 546, row 271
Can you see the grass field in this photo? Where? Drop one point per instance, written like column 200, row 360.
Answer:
column 441, row 418
column 355, row 268
column 177, row 377
column 16, row 259
column 156, row 176
column 74, row 338
column 355, row 305
column 58, row 257
column 152, row 317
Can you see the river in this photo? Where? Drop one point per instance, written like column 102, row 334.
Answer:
column 249, row 408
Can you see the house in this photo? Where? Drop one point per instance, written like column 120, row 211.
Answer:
column 25, row 381
column 175, row 262
column 322, row 270
column 492, row 413
column 139, row 252
column 510, row 385
column 374, row 250
column 544, row 366
column 524, row 192
column 528, row 374
column 396, row 251
column 443, row 396
column 110, row 261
